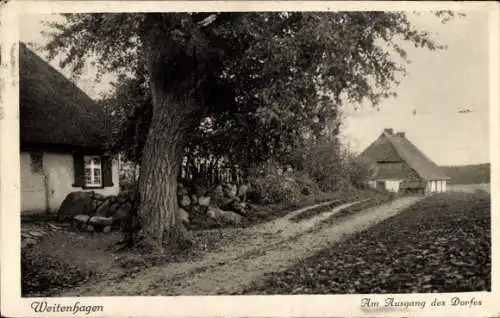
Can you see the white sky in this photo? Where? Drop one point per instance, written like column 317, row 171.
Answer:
column 438, row 85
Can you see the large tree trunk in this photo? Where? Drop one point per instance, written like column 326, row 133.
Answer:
column 162, row 156
column 177, row 104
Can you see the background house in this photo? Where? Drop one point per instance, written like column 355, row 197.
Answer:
column 399, row 166
column 63, row 137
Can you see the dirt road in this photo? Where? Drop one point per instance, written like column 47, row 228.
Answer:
column 256, row 251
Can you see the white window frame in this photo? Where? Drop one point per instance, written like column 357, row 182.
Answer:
column 92, row 166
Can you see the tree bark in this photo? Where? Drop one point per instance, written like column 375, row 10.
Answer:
column 162, row 156
column 177, row 109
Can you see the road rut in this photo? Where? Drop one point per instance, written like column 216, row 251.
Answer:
column 259, row 250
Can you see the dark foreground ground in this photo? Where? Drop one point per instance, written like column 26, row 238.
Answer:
column 441, row 244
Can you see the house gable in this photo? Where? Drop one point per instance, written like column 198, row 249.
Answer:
column 396, row 157
column 381, row 150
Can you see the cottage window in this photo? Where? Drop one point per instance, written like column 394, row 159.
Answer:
column 36, row 162
column 93, row 171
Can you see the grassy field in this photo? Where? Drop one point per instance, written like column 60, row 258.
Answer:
column 469, row 188
column 441, row 244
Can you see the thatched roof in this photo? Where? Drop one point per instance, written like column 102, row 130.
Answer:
column 390, row 147
column 53, row 110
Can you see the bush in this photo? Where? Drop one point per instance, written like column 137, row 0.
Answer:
column 307, row 185
column 273, row 188
column 128, row 175
column 331, row 166
column 323, row 163
column 357, row 172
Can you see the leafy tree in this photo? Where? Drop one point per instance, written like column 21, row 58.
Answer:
column 268, row 81
column 130, row 110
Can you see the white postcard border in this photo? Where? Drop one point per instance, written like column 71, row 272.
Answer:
column 202, row 306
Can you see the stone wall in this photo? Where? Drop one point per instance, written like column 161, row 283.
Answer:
column 222, row 205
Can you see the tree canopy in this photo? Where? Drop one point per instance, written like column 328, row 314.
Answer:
column 270, row 79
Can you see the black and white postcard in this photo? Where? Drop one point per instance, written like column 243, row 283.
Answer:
column 263, row 158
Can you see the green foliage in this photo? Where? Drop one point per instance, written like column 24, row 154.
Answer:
column 289, row 188
column 265, row 80
column 129, row 109
column 331, row 165
column 323, row 161
column 357, row 172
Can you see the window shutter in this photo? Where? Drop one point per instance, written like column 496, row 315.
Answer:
column 79, row 170
column 107, row 171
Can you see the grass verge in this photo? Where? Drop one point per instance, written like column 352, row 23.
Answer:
column 260, row 214
column 308, row 214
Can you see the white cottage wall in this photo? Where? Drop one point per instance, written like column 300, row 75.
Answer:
column 59, row 173
column 392, row 185
column 33, row 193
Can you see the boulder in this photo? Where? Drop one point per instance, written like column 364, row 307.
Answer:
column 113, row 208
column 184, row 216
column 218, row 198
column 90, row 228
column 218, row 190
column 199, row 190
column 122, row 199
column 75, row 203
column 230, row 191
column 104, row 209
column 107, row 229
column 100, row 221
column 227, row 203
column 185, row 201
column 81, row 218
column 204, row 201
column 181, row 190
column 124, row 194
column 95, row 204
column 233, row 190
column 243, row 190
column 194, row 199
column 37, row 234
column 99, row 196
column 53, row 227
column 238, row 207
column 225, row 216
column 28, row 242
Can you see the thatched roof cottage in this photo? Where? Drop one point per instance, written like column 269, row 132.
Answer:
column 399, row 166
column 63, row 135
